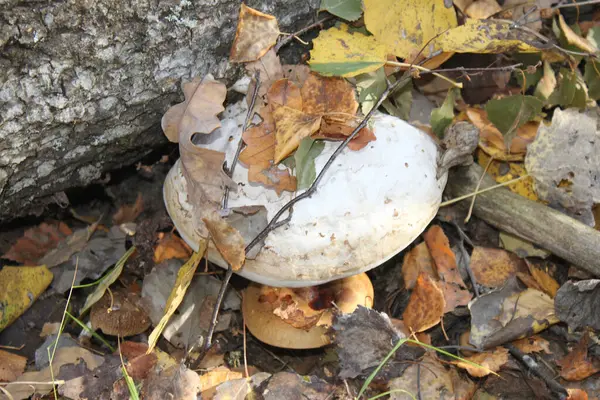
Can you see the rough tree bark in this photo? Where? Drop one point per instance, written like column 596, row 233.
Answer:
column 83, row 84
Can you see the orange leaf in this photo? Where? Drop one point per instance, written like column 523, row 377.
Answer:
column 11, row 366
column 362, row 138
column 454, row 296
column 227, row 239
column 417, row 260
column 491, row 362
column 576, row 365
column 284, row 92
column 445, row 260
column 492, row 142
column 426, row 305
column 260, row 147
column 256, row 34
column 171, row 246
column 529, row 281
column 492, row 267
column 533, row 344
column 198, row 113
column 37, row 241
column 272, row 177
column 546, row 282
column 577, row 394
column 128, row 213
column 291, row 127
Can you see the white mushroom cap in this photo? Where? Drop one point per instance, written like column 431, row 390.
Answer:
column 370, row 205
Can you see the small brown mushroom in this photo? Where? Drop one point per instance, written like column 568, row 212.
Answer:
column 118, row 313
column 298, row 318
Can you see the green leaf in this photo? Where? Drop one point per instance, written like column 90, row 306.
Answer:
column 305, row 156
column 509, row 113
column 442, row 117
column 399, row 102
column 592, row 78
column 370, row 87
column 350, row 10
column 564, row 43
column 593, row 36
column 571, row 91
column 523, row 76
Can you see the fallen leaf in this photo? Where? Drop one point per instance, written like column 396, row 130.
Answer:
column 399, row 102
column 19, row 288
column 510, row 113
column 417, row 260
column 128, row 213
column 240, row 389
column 227, row 240
column 492, row 267
column 442, row 117
column 592, row 79
column 577, row 394
column 184, row 278
column 304, row 157
column 37, row 241
column 273, row 177
column 521, row 247
column 50, row 328
column 288, row 385
column 175, row 382
column 426, row 305
column 529, row 303
column 350, row 10
column 504, row 172
column 106, row 281
column 270, row 69
column 198, row 113
column 339, row 52
column 571, row 90
column 11, row 366
column 547, row 83
column 489, row 362
column 454, row 296
column 578, row 365
column 405, row 27
column 284, row 92
column 487, row 36
column 256, row 34
column 543, row 278
column 213, row 378
column 139, row 367
column 370, row 87
column 362, row 139
column 482, row 9
column 573, row 38
column 171, row 246
column 492, row 142
column 445, row 260
column 576, row 302
column 533, row 344
column 291, row 127
column 69, row 246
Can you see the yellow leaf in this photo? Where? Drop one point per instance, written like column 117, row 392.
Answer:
column 406, row 26
column 487, row 36
column 489, row 363
column 575, row 39
column 337, row 52
column 291, row 127
column 503, row 172
column 184, row 278
column 256, row 34
column 482, row 9
column 19, row 288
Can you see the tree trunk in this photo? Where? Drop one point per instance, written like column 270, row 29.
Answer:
column 83, row 84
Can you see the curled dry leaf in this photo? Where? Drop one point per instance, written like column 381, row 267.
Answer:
column 544, row 280
column 416, row 261
column 426, row 305
column 284, row 92
column 11, row 366
column 573, row 38
column 578, row 365
column 492, row 267
column 256, row 34
column 270, row 69
column 37, row 241
column 445, row 260
column 291, row 127
column 488, row 362
column 533, row 344
column 171, row 246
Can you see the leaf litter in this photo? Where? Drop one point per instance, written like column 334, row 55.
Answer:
column 522, row 130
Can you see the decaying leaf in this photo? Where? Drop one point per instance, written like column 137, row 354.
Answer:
column 482, row 9
column 273, row 177
column 564, row 161
column 489, row 362
column 510, row 113
column 213, row 378
column 69, row 246
column 547, row 283
column 533, row 344
column 521, row 247
column 445, row 260
column 426, row 305
column 576, row 303
column 174, row 382
column 578, row 365
column 270, row 69
column 417, row 260
column 405, row 27
column 198, row 113
column 11, row 366
column 256, row 34
column 284, row 92
column 504, row 172
column 19, row 288
column 332, row 98
column 37, row 241
column 573, row 38
column 171, row 246
column 492, row 267
column 339, row 52
column 291, row 127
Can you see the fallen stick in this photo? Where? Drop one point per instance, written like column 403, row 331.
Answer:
column 554, row 231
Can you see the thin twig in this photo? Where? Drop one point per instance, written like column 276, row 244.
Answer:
column 245, row 344
column 468, row 217
column 286, row 39
column 466, row 196
column 581, row 3
column 482, row 69
column 313, row 188
column 423, row 69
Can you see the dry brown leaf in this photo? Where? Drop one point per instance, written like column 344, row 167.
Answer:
column 492, row 267
column 129, row 212
column 256, row 34
column 360, row 141
column 213, row 378
column 37, row 241
column 227, row 240
column 417, row 260
column 577, row 394
column 577, row 365
column 445, row 260
column 454, row 296
column 297, row 73
column 547, row 283
column 463, row 4
column 260, row 146
column 273, row 177
column 575, row 39
column 492, row 141
column 426, row 305
column 529, row 281
column 482, row 9
column 171, row 246
column 270, row 69
column 11, row 366
column 291, row 127
column 284, row 92
column 490, row 361
column 198, row 113
column 139, row 367
column 533, row 344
